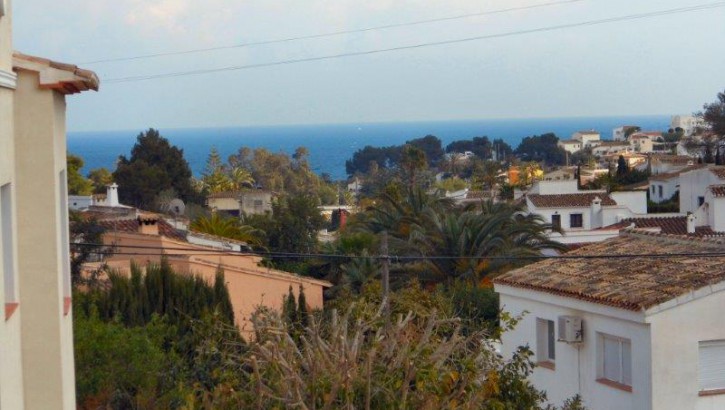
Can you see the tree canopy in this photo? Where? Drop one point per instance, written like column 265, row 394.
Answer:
column 155, row 165
column 714, row 115
column 541, row 148
column 77, row 183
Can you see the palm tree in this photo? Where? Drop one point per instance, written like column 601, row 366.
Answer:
column 227, row 228
column 479, row 243
column 239, row 178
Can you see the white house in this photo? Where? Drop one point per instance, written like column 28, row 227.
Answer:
column 660, row 164
column 611, row 147
column 581, row 214
column 624, row 333
column 587, row 138
column 570, row 146
column 663, row 186
column 620, row 133
column 694, row 186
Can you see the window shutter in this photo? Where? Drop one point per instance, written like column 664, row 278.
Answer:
column 712, row 365
column 612, row 359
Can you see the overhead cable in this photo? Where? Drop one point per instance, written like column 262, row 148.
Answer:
column 629, row 17
column 330, row 34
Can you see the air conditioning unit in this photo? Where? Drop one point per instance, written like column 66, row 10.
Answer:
column 570, row 329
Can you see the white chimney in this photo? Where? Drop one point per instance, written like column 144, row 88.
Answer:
column 690, row 223
column 112, row 195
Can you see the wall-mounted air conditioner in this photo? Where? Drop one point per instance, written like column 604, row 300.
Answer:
column 570, row 329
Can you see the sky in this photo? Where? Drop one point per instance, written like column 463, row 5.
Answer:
column 669, row 64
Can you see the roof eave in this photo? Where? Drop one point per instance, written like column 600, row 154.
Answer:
column 64, row 78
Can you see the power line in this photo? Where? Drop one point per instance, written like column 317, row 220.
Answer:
column 629, row 17
column 394, row 258
column 330, row 34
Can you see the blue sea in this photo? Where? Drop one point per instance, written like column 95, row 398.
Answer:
column 330, row 145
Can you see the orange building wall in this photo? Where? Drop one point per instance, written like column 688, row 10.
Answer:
column 249, row 284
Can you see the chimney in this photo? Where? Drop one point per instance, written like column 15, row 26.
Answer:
column 148, row 224
column 112, row 195
column 690, row 223
column 343, row 218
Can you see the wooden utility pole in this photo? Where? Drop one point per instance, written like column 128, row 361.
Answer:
column 386, row 263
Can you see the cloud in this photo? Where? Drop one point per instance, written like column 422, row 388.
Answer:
column 168, row 15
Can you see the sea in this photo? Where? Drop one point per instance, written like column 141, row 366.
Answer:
column 330, row 145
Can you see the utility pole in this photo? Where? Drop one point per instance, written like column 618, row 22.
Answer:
column 386, row 263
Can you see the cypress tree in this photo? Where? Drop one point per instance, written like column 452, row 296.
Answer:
column 302, row 312
column 289, row 309
column 221, row 296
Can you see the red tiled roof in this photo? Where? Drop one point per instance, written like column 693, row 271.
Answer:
column 570, row 200
column 628, row 283
column 669, row 175
column 668, row 225
column 719, row 171
column 718, row 191
column 131, row 226
column 226, row 194
column 78, row 80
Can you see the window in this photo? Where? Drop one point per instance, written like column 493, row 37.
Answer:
column 615, row 363
column 659, row 187
column 653, row 189
column 700, row 200
column 576, row 221
column 6, row 246
column 556, row 221
column 711, row 367
column 545, row 343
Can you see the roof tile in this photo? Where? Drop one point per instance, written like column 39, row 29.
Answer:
column 632, row 283
column 570, row 200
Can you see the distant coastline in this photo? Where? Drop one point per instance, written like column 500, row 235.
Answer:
column 330, row 145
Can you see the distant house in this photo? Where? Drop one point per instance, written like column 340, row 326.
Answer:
column 661, row 164
column 250, row 284
column 667, row 224
column 587, row 138
column 624, row 333
column 236, row 203
column 581, row 214
column 663, row 186
column 620, row 133
column 611, row 147
column 570, row 146
column 695, row 188
column 255, row 202
column 688, row 123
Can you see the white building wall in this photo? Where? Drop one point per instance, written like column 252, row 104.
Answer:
column 675, row 336
column 11, row 374
column 576, row 368
column 634, row 201
column 668, row 188
column 716, row 209
column 568, row 186
column 692, row 186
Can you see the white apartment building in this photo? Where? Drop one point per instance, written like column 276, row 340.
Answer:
column 688, row 123
column 620, row 133
column 36, row 334
column 624, row 333
column 587, row 138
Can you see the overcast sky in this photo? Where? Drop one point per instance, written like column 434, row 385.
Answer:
column 664, row 65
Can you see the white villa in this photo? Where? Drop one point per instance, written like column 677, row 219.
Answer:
column 581, row 214
column 624, row 333
column 587, row 138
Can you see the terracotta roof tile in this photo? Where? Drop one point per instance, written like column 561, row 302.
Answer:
column 131, row 226
column 570, row 200
column 719, row 171
column 668, row 225
column 718, row 191
column 670, row 175
column 628, row 283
